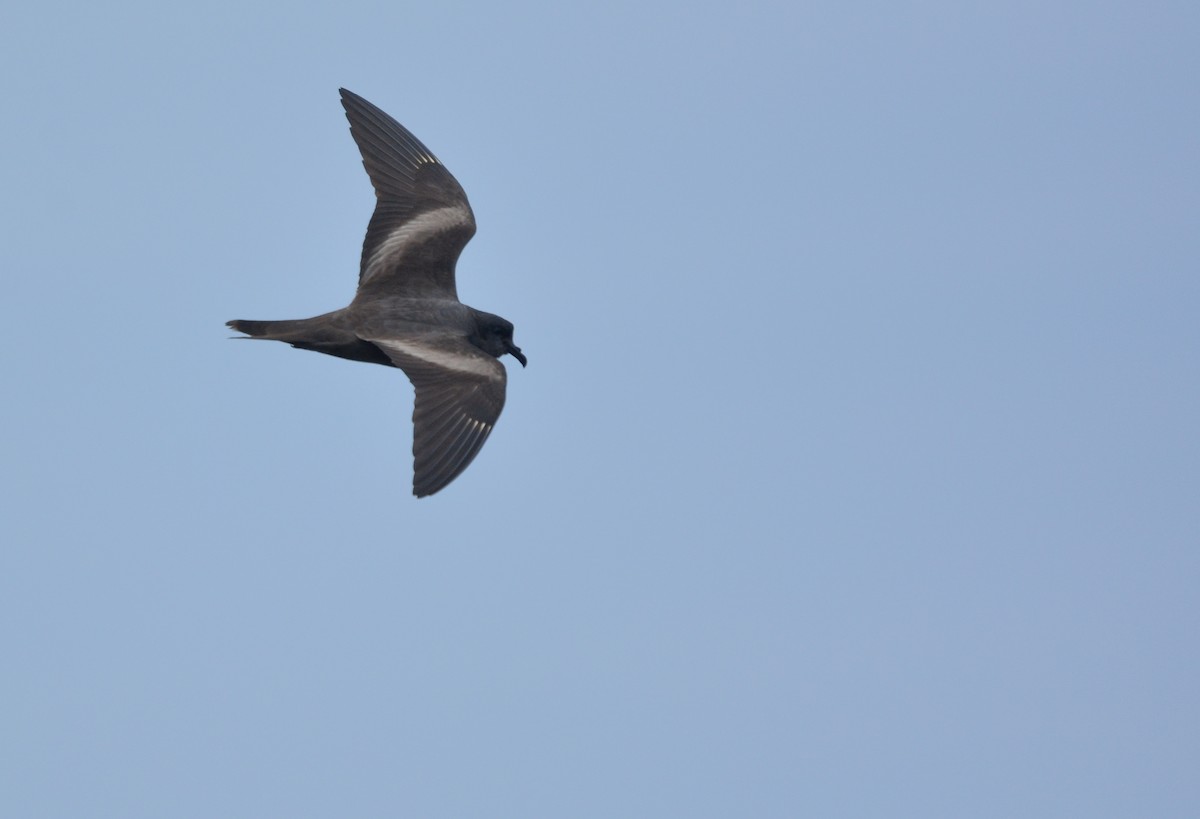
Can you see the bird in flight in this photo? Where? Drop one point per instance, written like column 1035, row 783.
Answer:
column 406, row 312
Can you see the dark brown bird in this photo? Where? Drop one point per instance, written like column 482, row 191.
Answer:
column 406, row 312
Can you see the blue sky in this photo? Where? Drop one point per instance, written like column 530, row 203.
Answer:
column 854, row 472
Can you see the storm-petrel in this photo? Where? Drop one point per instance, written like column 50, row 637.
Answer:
column 406, row 312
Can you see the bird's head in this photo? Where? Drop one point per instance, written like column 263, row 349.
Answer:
column 494, row 335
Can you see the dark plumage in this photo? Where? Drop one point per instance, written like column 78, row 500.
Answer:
column 406, row 313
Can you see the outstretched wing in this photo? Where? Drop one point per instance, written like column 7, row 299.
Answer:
column 460, row 393
column 422, row 219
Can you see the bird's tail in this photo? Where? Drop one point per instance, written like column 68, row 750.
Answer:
column 288, row 330
column 321, row 334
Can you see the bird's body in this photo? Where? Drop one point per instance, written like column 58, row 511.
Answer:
column 406, row 312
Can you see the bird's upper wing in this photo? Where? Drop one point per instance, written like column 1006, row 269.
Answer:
column 422, row 219
column 460, row 393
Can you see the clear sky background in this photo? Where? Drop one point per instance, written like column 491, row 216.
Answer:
column 855, row 472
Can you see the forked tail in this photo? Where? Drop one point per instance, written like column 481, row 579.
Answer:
column 320, row 334
column 288, row 330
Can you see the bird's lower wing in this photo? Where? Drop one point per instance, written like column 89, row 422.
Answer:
column 459, row 396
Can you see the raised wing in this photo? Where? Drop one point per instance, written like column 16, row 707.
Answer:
column 460, row 393
column 422, row 219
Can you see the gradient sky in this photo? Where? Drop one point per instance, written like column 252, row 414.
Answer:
column 855, row 472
